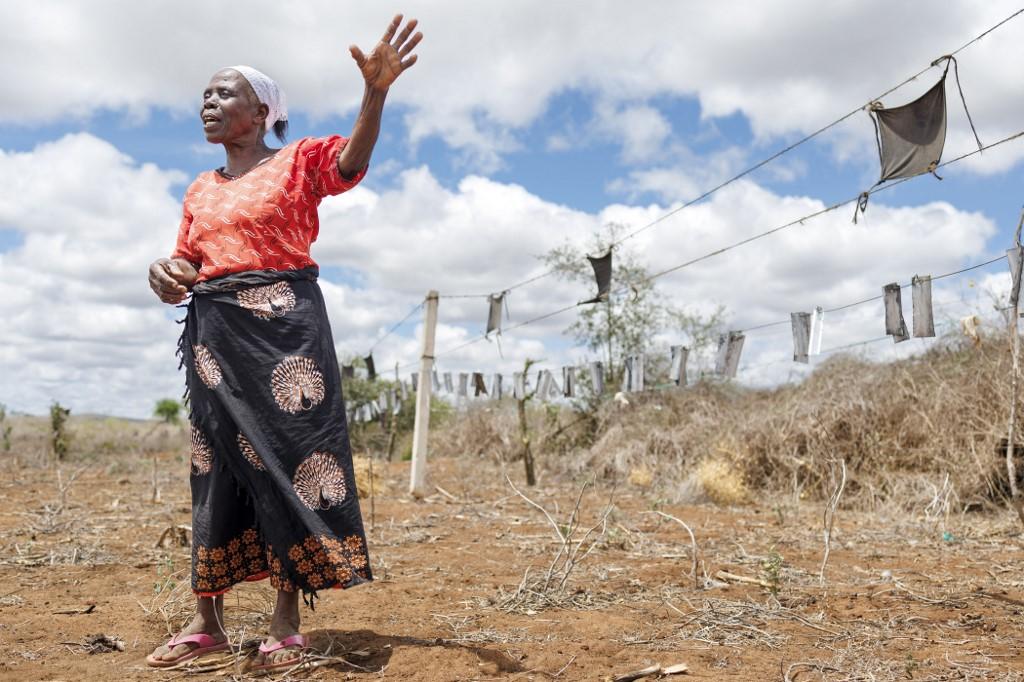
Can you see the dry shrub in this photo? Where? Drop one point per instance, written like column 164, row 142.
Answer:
column 482, row 430
column 900, row 426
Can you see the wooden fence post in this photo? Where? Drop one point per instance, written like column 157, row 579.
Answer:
column 418, row 477
column 1011, row 448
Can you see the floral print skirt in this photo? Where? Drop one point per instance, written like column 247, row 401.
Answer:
column 273, row 490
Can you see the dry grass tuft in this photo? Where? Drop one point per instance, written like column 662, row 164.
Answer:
column 366, row 483
column 722, row 482
column 641, row 477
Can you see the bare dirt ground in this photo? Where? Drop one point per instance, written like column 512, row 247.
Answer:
column 905, row 597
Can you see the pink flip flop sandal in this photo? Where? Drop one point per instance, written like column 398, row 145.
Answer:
column 205, row 644
column 295, row 640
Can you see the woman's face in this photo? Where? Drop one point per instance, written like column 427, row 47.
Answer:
column 230, row 109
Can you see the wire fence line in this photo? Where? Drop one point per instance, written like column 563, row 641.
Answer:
column 797, row 221
column 760, row 164
column 875, row 298
column 396, row 325
column 967, row 306
column 625, row 290
column 816, row 214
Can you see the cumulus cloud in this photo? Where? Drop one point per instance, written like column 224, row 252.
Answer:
column 642, row 130
column 486, row 72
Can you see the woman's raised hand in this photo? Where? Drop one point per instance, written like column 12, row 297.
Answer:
column 390, row 57
column 171, row 279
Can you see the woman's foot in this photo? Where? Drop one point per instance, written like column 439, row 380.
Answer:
column 283, row 625
column 207, row 621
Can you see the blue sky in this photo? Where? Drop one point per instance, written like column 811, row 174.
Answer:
column 482, row 165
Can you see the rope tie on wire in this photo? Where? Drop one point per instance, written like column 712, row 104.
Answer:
column 950, row 59
column 862, row 205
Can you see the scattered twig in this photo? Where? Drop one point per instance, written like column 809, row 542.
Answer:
column 726, row 576
column 656, row 669
column 446, row 493
column 813, row 665
column 178, row 534
column 693, row 546
column 75, row 612
column 830, row 515
column 549, row 589
column 98, row 644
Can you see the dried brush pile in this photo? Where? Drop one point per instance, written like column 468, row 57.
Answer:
column 901, row 428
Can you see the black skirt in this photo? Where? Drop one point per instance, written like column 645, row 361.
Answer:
column 273, row 489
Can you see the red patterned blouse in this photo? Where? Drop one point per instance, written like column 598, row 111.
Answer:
column 265, row 219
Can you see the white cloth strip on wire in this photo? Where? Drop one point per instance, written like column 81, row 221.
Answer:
column 597, row 377
column 569, row 382
column 921, row 297
column 1015, row 258
column 543, row 384
column 554, row 390
column 677, row 371
column 494, row 303
column 817, row 330
column 730, row 347
column 637, row 378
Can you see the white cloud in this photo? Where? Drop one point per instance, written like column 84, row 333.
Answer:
column 686, row 176
column 641, row 129
column 487, row 71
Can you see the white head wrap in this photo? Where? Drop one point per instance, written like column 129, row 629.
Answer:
column 267, row 92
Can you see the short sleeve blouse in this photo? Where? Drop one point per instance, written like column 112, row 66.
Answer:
column 265, row 219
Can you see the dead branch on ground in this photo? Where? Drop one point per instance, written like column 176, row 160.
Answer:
column 830, row 513
column 550, row 588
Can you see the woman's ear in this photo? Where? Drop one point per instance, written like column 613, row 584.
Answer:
column 262, row 111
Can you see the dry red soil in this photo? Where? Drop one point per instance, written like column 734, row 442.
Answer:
column 908, row 596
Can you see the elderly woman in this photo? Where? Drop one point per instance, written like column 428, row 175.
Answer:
column 273, row 491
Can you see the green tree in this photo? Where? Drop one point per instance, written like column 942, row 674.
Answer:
column 382, row 433
column 627, row 322
column 167, row 410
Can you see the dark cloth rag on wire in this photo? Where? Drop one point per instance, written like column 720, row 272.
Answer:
column 911, row 137
column 273, row 489
column 801, row 323
column 603, row 274
column 894, row 323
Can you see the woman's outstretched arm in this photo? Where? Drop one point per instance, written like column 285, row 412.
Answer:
column 385, row 63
